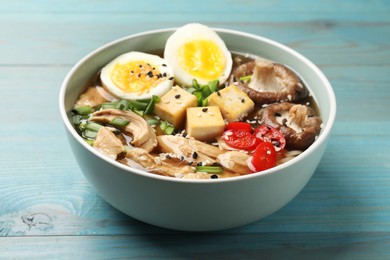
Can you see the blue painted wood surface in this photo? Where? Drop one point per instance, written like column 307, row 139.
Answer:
column 49, row 210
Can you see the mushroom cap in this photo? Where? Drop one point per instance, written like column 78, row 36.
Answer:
column 298, row 123
column 270, row 82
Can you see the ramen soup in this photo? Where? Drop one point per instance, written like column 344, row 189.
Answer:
column 197, row 110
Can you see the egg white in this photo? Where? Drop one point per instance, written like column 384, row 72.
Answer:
column 188, row 33
column 155, row 61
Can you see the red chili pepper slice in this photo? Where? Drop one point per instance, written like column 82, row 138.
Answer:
column 240, row 139
column 263, row 158
column 272, row 135
column 239, row 125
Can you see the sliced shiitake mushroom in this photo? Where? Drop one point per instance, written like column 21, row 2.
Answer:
column 298, row 123
column 266, row 82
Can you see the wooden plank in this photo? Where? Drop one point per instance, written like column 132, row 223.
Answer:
column 160, row 6
column 323, row 40
column 279, row 245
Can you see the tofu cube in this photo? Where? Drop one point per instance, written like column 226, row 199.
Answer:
column 173, row 106
column 233, row 102
column 204, row 123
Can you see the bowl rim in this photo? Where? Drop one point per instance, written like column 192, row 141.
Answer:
column 325, row 131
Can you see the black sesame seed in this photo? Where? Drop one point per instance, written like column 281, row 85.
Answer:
column 164, row 65
column 139, row 75
column 171, row 78
column 243, row 100
column 199, row 164
column 216, row 164
column 189, row 163
column 177, row 96
column 218, row 93
column 168, row 156
column 195, row 155
column 204, row 109
column 132, row 71
column 164, row 74
column 154, row 68
column 181, row 158
column 278, row 114
column 140, row 66
column 150, row 74
column 214, row 176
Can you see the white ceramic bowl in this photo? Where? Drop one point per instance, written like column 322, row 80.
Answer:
column 197, row 205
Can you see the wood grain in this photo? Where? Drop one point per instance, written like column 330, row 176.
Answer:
column 49, row 210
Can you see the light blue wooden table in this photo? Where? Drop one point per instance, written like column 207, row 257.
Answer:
column 49, row 210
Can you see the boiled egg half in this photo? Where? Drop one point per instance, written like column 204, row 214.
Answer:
column 137, row 75
column 197, row 52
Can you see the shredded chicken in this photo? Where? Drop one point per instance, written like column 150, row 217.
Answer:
column 190, row 150
column 235, row 161
column 142, row 133
column 156, row 165
column 107, row 143
column 93, row 96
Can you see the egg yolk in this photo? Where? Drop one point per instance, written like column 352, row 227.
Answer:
column 202, row 59
column 135, row 76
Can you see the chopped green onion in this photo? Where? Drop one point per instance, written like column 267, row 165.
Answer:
column 88, row 134
column 205, row 102
column 122, row 104
column 213, row 85
column 90, row 142
column 137, row 105
column 190, row 89
column 206, row 91
column 163, row 125
column 199, row 97
column 84, row 110
column 92, row 126
column 108, row 105
column 246, row 79
column 152, row 121
column 210, row 169
column 202, row 92
column 195, row 84
column 169, row 130
column 117, row 121
column 76, row 119
column 149, row 109
column 139, row 112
